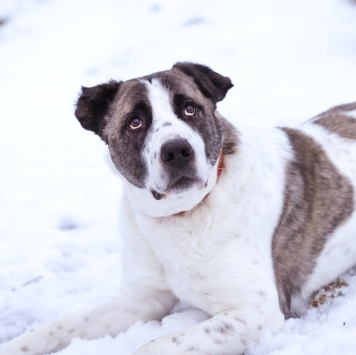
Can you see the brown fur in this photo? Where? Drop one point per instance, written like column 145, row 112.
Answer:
column 336, row 120
column 130, row 101
column 230, row 136
column 317, row 200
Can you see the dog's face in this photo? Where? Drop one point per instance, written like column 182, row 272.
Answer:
column 162, row 132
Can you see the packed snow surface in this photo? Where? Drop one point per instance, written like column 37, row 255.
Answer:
column 59, row 201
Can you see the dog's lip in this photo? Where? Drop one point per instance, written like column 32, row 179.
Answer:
column 183, row 184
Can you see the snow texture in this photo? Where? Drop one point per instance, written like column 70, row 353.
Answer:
column 59, row 201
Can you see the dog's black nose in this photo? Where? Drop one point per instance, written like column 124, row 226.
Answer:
column 177, row 153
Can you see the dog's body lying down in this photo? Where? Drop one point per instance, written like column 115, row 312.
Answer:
column 242, row 223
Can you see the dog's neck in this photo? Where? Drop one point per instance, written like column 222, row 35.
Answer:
column 219, row 171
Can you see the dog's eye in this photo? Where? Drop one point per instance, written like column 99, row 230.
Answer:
column 189, row 110
column 135, row 123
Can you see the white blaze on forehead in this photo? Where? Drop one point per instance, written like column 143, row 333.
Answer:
column 165, row 123
column 160, row 101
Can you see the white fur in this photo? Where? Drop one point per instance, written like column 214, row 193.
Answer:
column 217, row 256
column 221, row 282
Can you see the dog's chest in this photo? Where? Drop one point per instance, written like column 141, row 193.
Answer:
column 187, row 252
column 202, row 258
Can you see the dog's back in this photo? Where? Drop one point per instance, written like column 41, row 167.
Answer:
column 316, row 238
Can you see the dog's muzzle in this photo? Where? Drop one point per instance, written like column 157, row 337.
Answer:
column 176, row 155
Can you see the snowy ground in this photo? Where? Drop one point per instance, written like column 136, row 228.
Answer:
column 59, row 245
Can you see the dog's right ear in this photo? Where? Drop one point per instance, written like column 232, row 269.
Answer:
column 94, row 103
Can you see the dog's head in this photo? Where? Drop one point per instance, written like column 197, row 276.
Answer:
column 163, row 133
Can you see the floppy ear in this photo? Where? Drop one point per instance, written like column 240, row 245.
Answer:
column 213, row 85
column 94, row 103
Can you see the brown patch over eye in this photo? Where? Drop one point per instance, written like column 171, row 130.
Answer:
column 135, row 123
column 189, row 110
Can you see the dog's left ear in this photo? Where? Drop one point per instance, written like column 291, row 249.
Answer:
column 213, row 85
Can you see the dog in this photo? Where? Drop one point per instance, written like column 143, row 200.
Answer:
column 242, row 223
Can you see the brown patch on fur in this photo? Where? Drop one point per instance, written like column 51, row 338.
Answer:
column 317, row 200
column 337, row 121
column 213, row 85
column 131, row 92
column 131, row 101
column 230, row 135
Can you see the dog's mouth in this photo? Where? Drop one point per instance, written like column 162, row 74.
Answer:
column 180, row 185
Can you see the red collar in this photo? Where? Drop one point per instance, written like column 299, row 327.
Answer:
column 219, row 169
column 220, row 164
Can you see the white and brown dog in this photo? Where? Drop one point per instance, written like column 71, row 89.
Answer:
column 242, row 223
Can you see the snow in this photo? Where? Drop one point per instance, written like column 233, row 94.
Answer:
column 59, row 201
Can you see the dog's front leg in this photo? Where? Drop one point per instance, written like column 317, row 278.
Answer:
column 144, row 296
column 110, row 317
column 227, row 333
